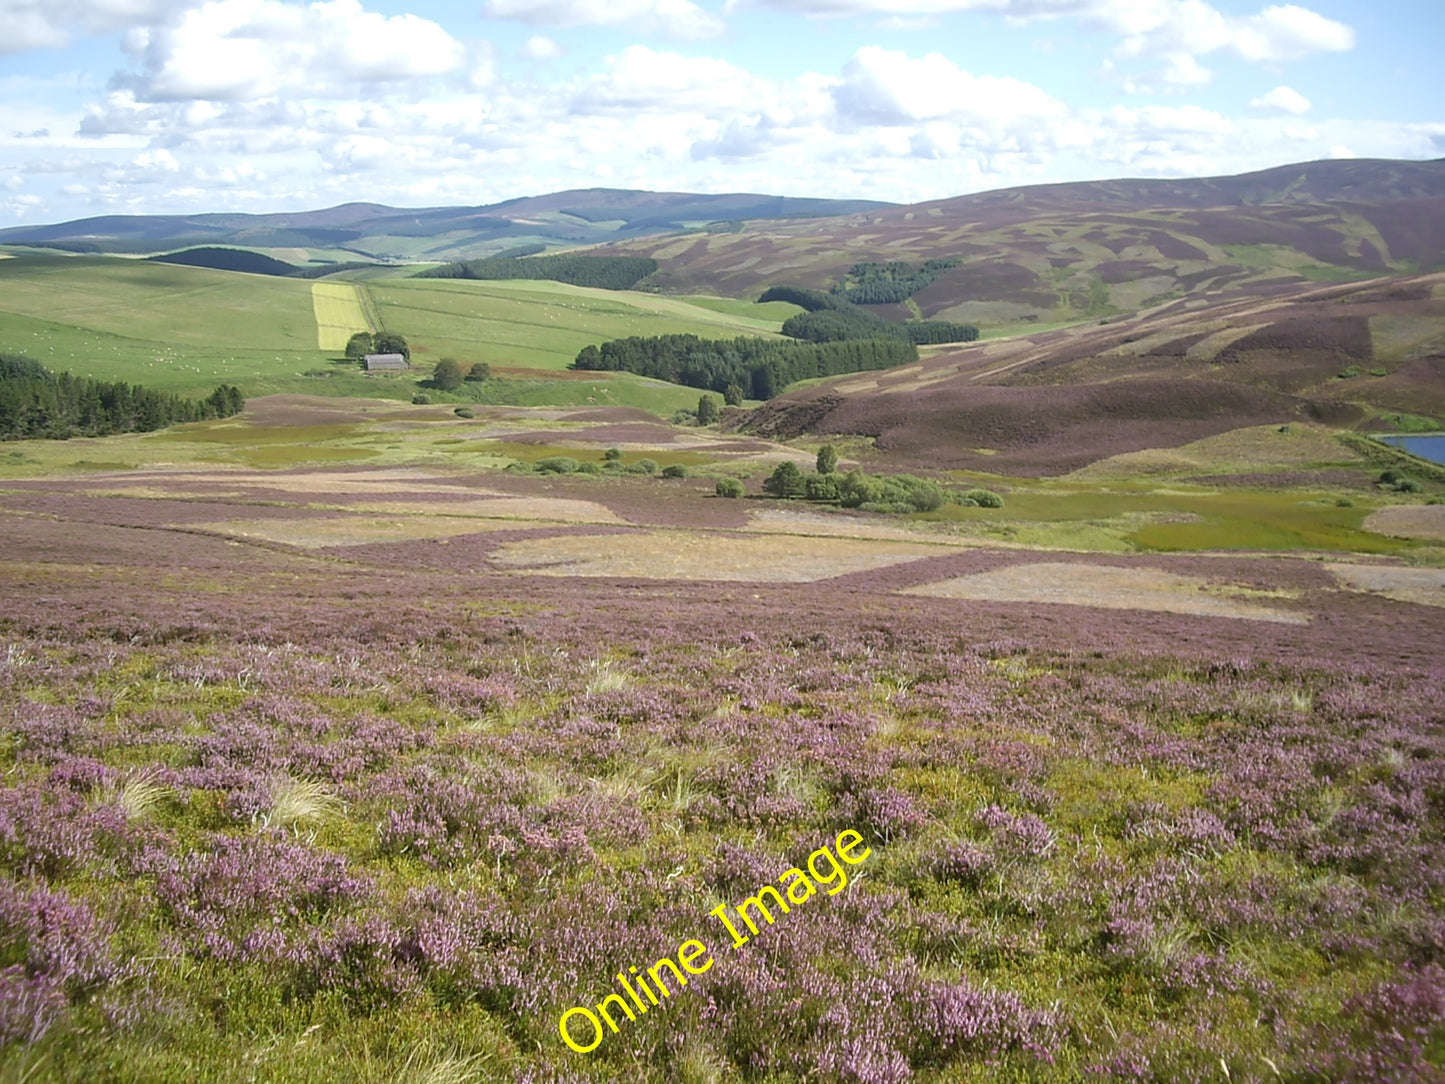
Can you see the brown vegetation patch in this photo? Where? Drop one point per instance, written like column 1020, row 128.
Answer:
column 341, row 531
column 1109, row 587
column 687, row 555
column 1424, row 586
column 1346, row 336
column 1409, row 521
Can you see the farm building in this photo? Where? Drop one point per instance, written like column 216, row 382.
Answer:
column 386, row 363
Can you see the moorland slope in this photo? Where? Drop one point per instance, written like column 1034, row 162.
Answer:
column 1049, row 403
column 1060, row 252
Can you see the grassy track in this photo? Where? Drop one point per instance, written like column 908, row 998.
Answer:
column 339, row 313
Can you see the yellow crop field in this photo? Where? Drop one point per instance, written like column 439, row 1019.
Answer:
column 339, row 314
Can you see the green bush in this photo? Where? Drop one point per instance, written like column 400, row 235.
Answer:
column 827, row 459
column 643, row 466
column 729, row 487
column 674, row 470
column 1408, row 485
column 1349, row 372
column 447, row 375
column 612, row 455
column 588, row 467
column 820, row 487
column 421, row 399
column 785, row 481
column 558, row 464
column 464, row 412
column 479, row 371
column 1344, row 502
column 981, row 498
column 707, row 410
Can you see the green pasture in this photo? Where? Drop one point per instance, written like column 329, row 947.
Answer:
column 542, row 325
column 1132, row 517
column 187, row 329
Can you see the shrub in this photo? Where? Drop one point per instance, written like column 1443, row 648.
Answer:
column 588, row 467
column 733, row 394
column 1408, row 485
column 1349, row 372
column 1344, row 502
column 785, row 481
column 820, row 487
column 421, row 399
column 558, row 464
column 674, row 470
column 359, row 345
column 464, row 412
column 729, row 487
column 982, row 498
column 447, row 375
column 643, row 466
column 707, row 410
column 612, row 455
column 479, row 371
column 1390, row 477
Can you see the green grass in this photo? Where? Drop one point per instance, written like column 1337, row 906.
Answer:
column 1284, row 258
column 1124, row 517
column 187, row 329
column 540, row 325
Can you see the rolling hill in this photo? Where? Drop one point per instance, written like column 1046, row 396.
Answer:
column 1057, row 253
column 1342, row 355
column 375, row 231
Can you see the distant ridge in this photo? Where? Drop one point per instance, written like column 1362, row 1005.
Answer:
column 576, row 217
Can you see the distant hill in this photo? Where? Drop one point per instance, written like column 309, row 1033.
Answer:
column 586, row 216
column 1059, row 252
column 1349, row 354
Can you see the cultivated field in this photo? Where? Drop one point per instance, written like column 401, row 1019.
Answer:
column 339, row 314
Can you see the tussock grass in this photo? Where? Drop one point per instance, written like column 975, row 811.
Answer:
column 297, row 801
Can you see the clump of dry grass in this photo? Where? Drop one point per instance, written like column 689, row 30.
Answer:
column 294, row 801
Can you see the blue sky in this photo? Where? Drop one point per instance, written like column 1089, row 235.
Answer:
column 174, row 106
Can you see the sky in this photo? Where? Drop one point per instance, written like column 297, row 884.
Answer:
column 184, row 106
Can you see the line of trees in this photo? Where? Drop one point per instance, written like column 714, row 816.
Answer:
column 604, row 272
column 38, row 404
column 760, row 367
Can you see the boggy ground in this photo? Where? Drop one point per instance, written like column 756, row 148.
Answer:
column 274, row 810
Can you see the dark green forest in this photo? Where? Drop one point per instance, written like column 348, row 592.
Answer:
column 833, row 317
column 888, row 283
column 38, row 404
column 604, row 272
column 760, row 368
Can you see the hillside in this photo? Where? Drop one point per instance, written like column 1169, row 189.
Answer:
column 1057, row 253
column 374, row 231
column 1343, row 355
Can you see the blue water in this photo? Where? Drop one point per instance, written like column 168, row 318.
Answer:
column 1431, row 447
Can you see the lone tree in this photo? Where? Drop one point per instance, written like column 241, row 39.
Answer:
column 707, row 411
column 389, row 342
column 786, row 481
column 447, row 375
column 359, row 345
column 733, row 394
column 479, row 371
column 827, row 459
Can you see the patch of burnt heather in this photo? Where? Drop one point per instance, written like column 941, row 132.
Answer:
column 1346, row 336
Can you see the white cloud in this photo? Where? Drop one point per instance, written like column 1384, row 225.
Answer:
column 1182, row 70
column 1278, row 32
column 676, row 18
column 1283, row 98
column 235, row 50
column 884, row 86
column 49, row 24
column 538, row 47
